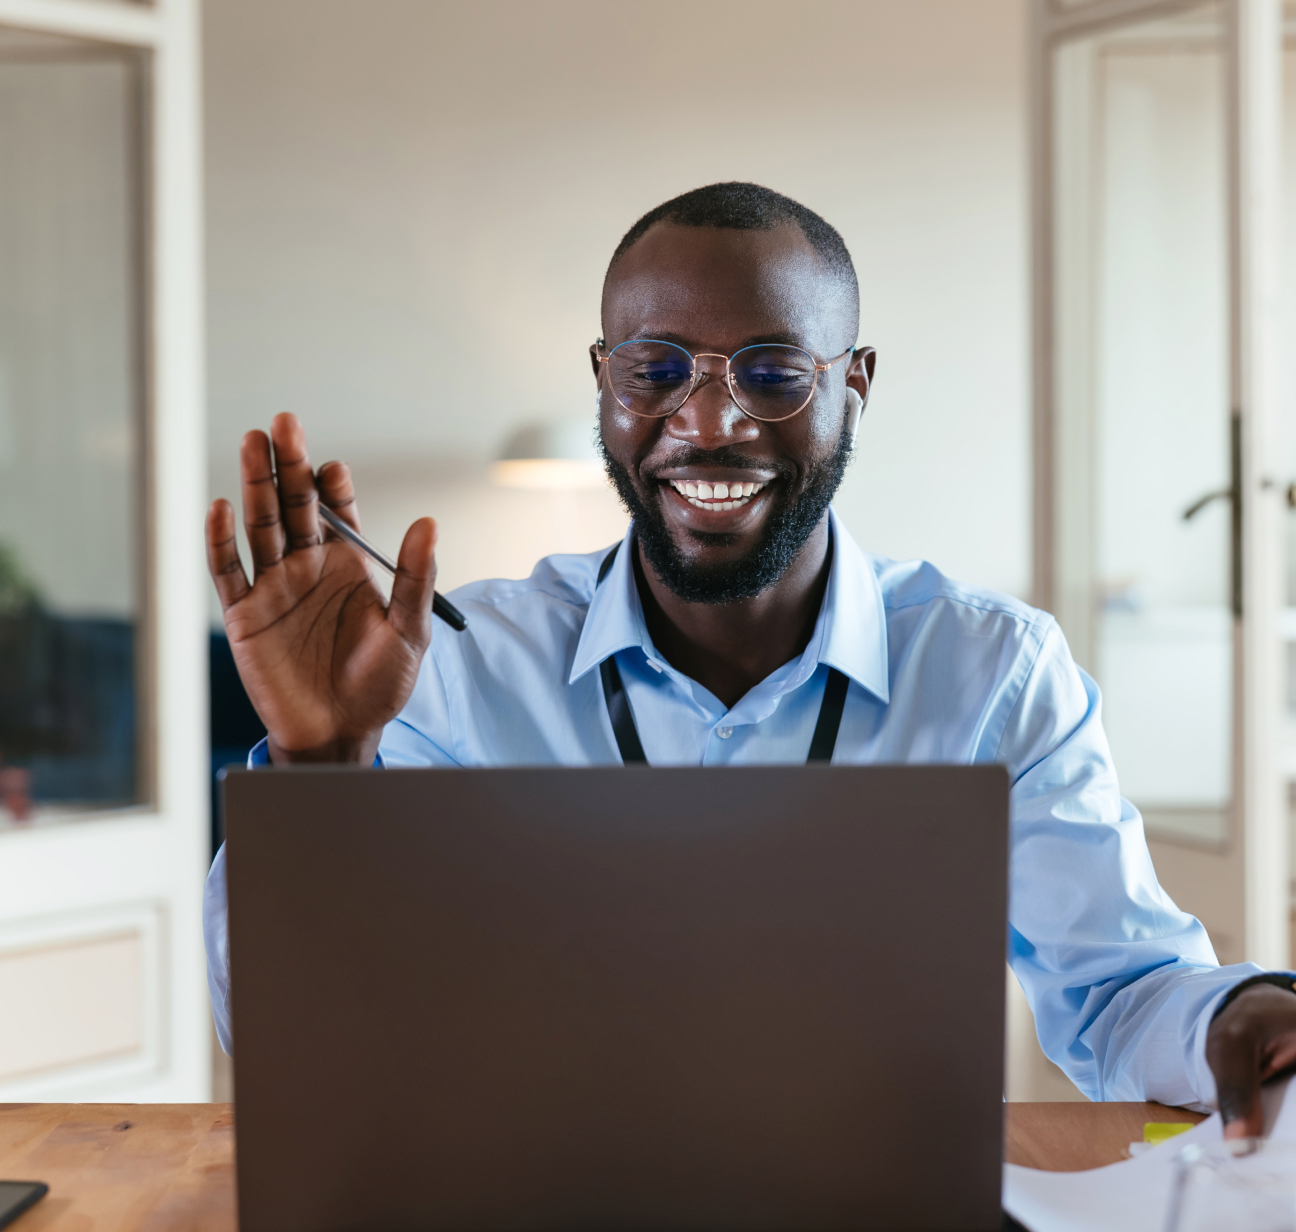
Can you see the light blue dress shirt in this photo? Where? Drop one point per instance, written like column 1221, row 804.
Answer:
column 1122, row 983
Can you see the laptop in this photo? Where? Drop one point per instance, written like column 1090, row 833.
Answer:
column 618, row 998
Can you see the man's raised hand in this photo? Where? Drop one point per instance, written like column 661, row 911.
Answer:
column 324, row 660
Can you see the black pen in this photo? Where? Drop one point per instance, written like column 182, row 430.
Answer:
column 440, row 607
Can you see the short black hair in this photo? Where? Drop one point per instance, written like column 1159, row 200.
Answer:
column 738, row 206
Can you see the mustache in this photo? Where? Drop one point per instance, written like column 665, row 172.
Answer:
column 728, row 456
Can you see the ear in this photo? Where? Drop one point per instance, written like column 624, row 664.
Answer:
column 859, row 376
column 595, row 347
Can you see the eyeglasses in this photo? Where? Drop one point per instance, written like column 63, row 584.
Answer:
column 768, row 381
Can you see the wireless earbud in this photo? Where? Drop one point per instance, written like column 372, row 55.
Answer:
column 856, row 405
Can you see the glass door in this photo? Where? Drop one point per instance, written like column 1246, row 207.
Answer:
column 1156, row 508
column 103, row 760
column 1288, row 395
column 71, row 430
column 1146, row 441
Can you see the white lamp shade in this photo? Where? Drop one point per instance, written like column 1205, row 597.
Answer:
column 550, row 454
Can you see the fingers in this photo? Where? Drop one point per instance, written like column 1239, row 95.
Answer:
column 260, row 503
column 1237, row 1065
column 338, row 492
column 1235, row 1051
column 410, row 609
column 222, row 555
column 297, row 497
column 1245, row 1115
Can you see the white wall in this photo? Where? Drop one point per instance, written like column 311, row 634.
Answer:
column 411, row 205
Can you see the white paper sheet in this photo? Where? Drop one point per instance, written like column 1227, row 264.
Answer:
column 1130, row 1196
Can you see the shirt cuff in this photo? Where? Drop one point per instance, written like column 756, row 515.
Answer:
column 1279, row 979
column 260, row 756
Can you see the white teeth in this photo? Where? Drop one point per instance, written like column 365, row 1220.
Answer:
column 717, row 506
column 717, row 497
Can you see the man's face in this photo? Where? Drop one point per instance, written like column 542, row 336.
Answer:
column 715, row 291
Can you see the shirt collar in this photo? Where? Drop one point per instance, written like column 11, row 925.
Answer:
column 854, row 616
column 615, row 620
column 850, row 633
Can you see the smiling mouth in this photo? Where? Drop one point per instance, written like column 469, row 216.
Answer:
column 717, row 497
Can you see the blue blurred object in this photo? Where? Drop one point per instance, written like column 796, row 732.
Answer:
column 67, row 706
column 68, row 712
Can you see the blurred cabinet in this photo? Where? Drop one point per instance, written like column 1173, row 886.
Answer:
column 103, row 640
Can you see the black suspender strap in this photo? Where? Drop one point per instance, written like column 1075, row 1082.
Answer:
column 824, row 740
column 618, row 708
column 822, row 743
column 614, row 694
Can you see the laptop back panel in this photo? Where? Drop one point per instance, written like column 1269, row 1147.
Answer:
column 759, row 998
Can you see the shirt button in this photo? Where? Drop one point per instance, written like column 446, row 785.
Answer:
column 724, row 732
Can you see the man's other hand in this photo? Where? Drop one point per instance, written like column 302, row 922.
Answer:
column 1253, row 1039
column 326, row 662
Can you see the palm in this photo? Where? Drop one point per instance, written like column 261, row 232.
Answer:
column 325, row 660
column 312, row 644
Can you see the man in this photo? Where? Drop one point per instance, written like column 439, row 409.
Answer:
column 736, row 611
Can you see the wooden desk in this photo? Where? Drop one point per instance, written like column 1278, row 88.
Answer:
column 158, row 1167
column 119, row 1167
column 1070, row 1137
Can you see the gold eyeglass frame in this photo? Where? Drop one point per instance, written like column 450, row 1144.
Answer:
column 730, row 380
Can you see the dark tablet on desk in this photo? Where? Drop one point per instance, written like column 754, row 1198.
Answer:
column 764, row 998
column 19, row 1196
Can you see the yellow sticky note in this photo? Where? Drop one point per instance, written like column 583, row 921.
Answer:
column 1155, row 1132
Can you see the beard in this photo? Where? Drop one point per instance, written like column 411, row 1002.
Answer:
column 786, row 530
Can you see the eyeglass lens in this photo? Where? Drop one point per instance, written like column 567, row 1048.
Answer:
column 654, row 378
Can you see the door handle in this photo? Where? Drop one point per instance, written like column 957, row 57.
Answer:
column 1233, row 494
column 1225, row 494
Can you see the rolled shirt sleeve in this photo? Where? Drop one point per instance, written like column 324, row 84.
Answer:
column 1122, row 983
column 216, row 939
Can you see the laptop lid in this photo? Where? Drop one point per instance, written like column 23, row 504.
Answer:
column 617, row 998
